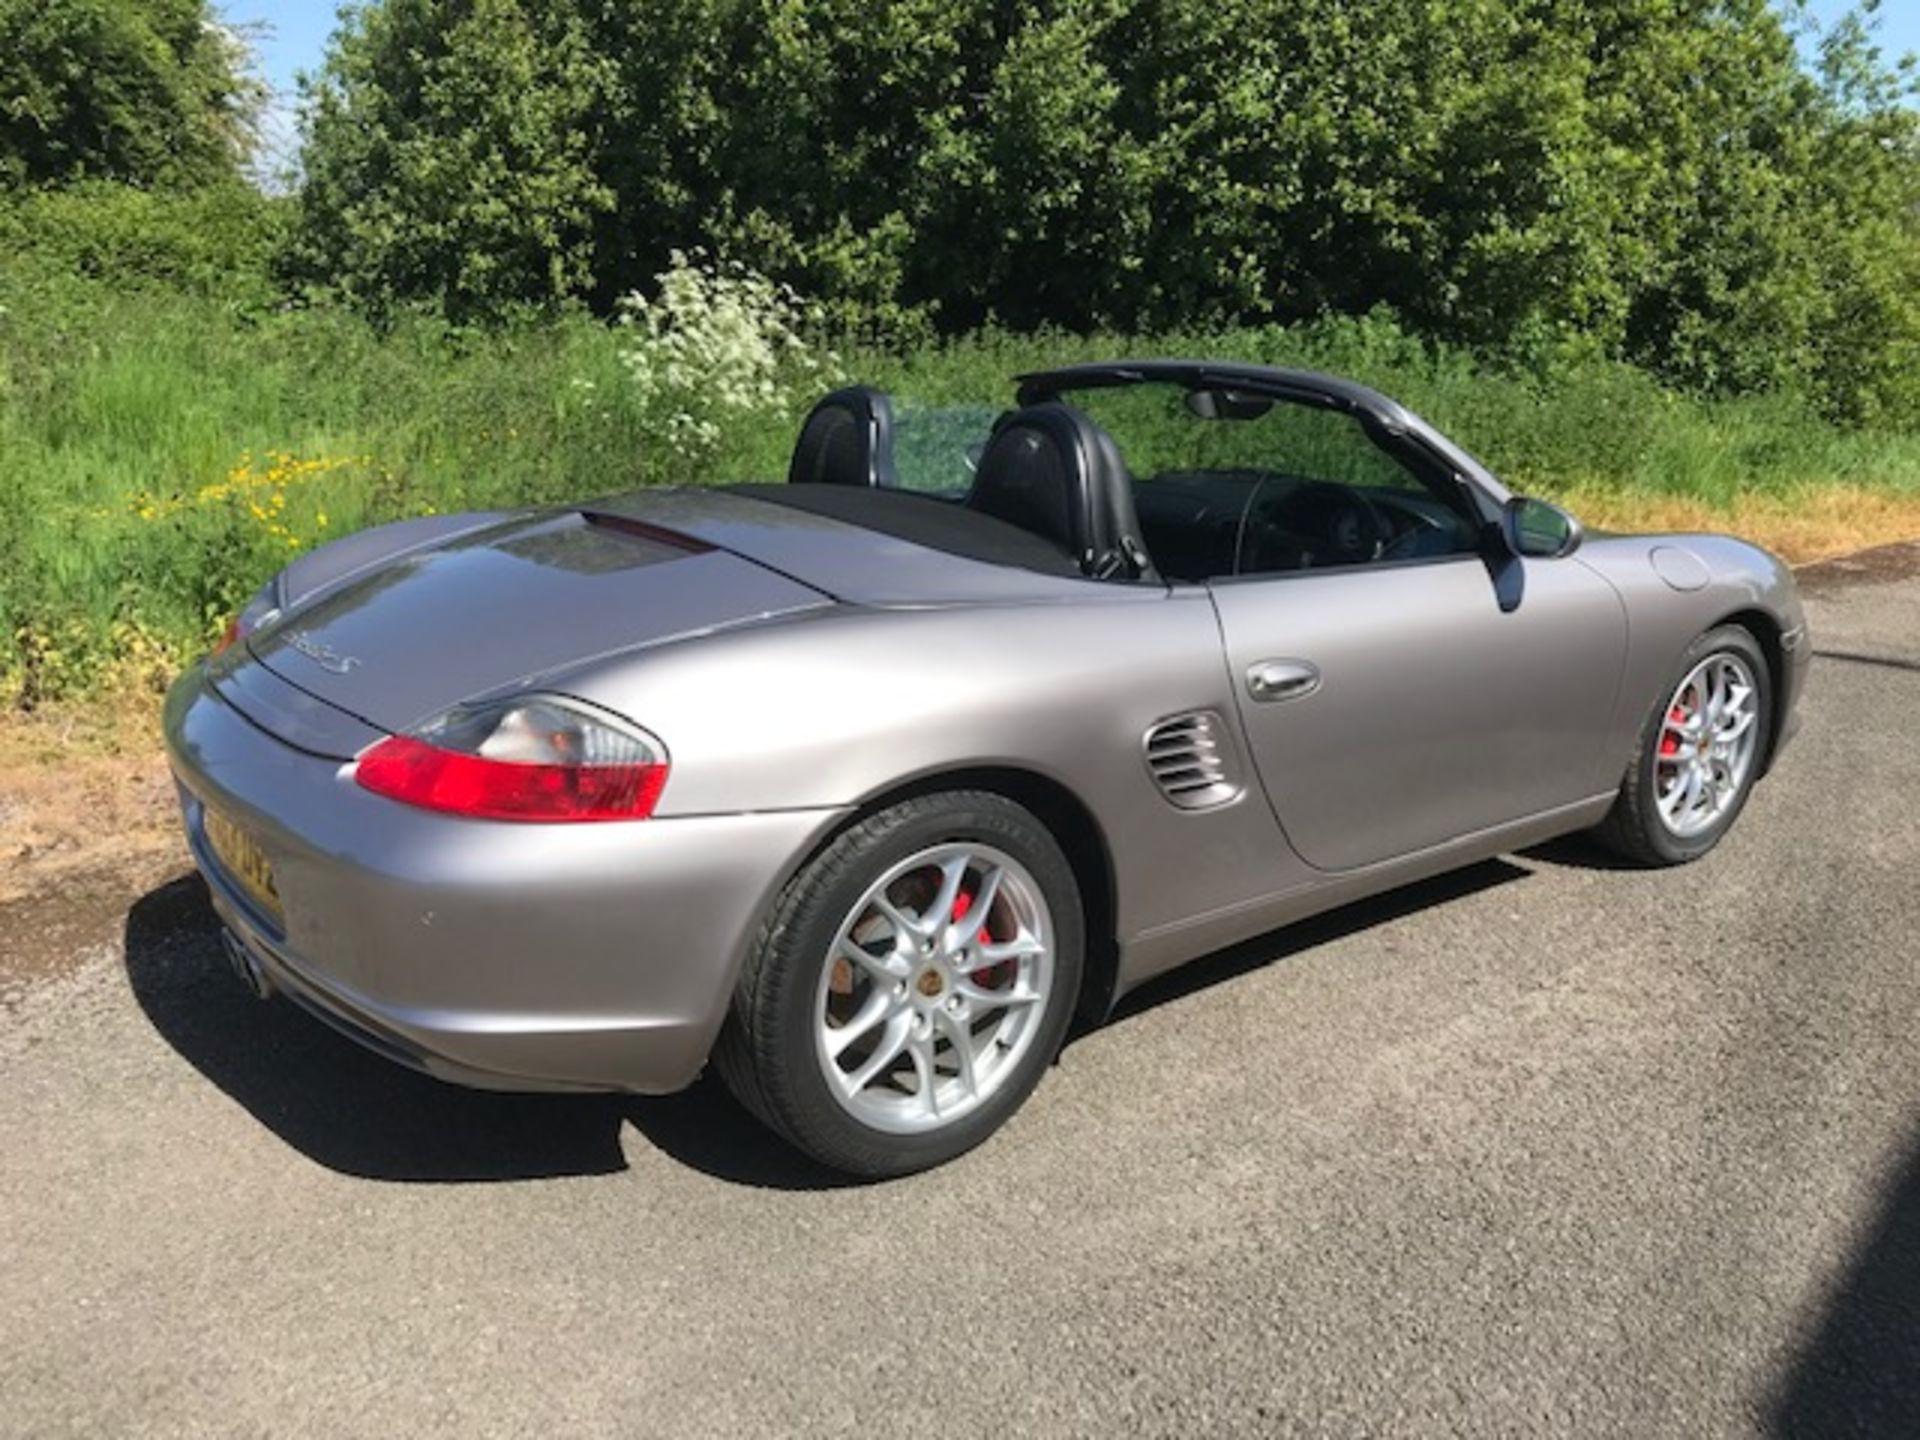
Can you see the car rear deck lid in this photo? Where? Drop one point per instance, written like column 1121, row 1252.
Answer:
column 287, row 712
column 493, row 609
column 851, row 562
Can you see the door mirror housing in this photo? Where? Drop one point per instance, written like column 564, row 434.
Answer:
column 1538, row 529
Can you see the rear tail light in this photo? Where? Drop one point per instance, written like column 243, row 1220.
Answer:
column 536, row 758
column 229, row 637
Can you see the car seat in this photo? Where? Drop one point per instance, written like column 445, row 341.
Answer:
column 847, row 440
column 1053, row 472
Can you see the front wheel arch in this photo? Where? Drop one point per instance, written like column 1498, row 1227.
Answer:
column 1633, row 828
column 1765, row 630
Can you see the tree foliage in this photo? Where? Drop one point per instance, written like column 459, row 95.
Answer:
column 152, row 93
column 1663, row 180
column 456, row 154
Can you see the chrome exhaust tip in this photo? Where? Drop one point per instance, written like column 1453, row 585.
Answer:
column 245, row 966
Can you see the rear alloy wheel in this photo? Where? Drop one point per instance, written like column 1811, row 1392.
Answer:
column 1698, row 756
column 914, row 982
column 934, row 989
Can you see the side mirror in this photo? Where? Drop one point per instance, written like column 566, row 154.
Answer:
column 1539, row 530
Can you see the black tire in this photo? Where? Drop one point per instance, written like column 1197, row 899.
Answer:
column 766, row 1054
column 1633, row 829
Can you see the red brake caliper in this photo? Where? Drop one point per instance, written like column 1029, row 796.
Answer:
column 962, row 903
column 1670, row 743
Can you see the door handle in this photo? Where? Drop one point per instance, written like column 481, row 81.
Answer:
column 1282, row 679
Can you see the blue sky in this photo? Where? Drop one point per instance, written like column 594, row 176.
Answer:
column 287, row 38
column 294, row 36
column 295, row 33
column 1899, row 31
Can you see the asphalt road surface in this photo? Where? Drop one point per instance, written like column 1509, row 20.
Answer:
column 1546, row 1147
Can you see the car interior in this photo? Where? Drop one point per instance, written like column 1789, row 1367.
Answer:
column 1051, row 489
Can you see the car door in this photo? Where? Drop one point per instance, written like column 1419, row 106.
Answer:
column 1402, row 677
column 1393, row 707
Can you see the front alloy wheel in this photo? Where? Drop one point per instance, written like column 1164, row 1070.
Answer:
column 1699, row 753
column 914, row 981
column 1707, row 744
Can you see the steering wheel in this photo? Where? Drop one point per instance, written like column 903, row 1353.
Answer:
column 1423, row 537
column 1341, row 523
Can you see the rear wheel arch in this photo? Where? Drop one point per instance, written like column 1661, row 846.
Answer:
column 1080, row 835
column 770, row 1051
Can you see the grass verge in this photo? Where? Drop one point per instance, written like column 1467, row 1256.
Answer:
column 161, row 454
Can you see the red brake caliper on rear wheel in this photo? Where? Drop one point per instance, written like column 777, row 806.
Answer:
column 1669, row 742
column 962, row 903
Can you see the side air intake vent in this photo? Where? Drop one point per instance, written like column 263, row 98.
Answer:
column 1189, row 762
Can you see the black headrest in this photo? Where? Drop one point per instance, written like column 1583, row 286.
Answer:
column 1051, row 470
column 847, row 440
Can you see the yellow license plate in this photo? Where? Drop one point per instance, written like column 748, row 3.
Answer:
column 242, row 860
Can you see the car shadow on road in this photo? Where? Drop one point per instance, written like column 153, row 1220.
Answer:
column 1277, row 945
column 361, row 1115
column 1859, row 1372
column 1579, row 851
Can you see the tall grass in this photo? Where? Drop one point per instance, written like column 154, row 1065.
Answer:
column 1562, row 427
column 162, row 454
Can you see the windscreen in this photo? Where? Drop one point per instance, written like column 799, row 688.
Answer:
column 1165, row 429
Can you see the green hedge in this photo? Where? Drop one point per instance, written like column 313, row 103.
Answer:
column 159, row 462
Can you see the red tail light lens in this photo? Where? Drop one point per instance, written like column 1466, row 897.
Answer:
column 262, row 609
column 538, row 759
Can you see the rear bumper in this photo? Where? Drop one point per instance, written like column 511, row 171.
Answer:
column 522, row 957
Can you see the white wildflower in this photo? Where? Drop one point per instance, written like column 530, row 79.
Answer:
column 715, row 346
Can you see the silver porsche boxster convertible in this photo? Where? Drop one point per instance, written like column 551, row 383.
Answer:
column 862, row 786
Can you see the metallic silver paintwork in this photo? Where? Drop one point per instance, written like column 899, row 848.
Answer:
column 283, row 709
column 1439, row 710
column 522, row 957
column 318, row 571
column 859, row 567
column 803, row 668
column 1191, row 759
column 1680, row 568
column 1661, row 622
column 853, row 703
column 504, row 604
